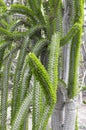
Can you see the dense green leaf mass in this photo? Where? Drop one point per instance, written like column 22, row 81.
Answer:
column 43, row 30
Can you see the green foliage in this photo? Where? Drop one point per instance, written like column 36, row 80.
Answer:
column 71, row 33
column 79, row 12
column 42, row 76
column 53, row 59
column 2, row 7
column 21, row 9
column 24, row 82
column 5, row 79
column 35, row 4
column 16, row 87
column 39, row 46
column 22, row 112
column 76, row 124
column 3, row 24
column 84, row 101
column 42, row 22
column 37, row 104
column 9, row 36
column 83, row 88
column 45, row 116
column 2, row 50
column 75, row 52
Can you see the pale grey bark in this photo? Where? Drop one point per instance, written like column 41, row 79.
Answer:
column 57, row 121
column 82, row 68
column 63, row 118
column 84, row 46
column 66, row 48
column 70, row 115
column 70, row 105
column 58, row 116
column 83, row 63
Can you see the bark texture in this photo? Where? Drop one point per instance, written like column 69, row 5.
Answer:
column 64, row 114
column 57, row 120
column 70, row 115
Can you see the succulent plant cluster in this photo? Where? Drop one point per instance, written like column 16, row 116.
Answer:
column 42, row 31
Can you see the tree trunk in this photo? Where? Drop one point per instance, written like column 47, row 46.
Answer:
column 64, row 114
column 70, row 115
column 57, row 121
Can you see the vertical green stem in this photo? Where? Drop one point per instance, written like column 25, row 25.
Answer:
column 75, row 52
column 5, row 79
column 16, row 87
column 36, row 104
